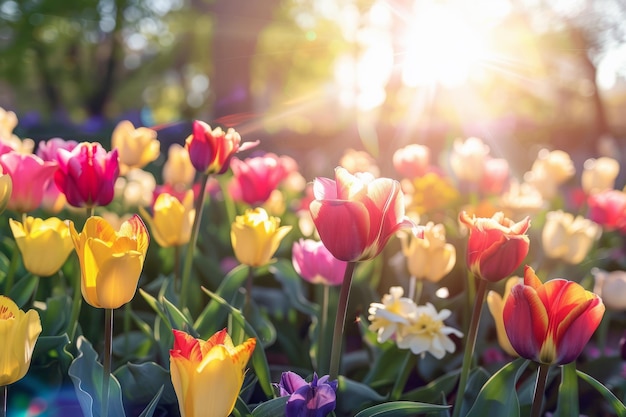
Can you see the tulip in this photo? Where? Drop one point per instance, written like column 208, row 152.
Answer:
column 550, row 169
column 37, row 236
column 599, row 174
column 315, row 399
column 18, row 332
column 47, row 150
column 136, row 188
column 356, row 215
column 608, row 208
column 254, row 179
column 207, row 375
column 6, row 188
column 430, row 258
column 521, row 199
column 468, row 159
column 611, row 286
column 496, row 246
column 359, row 161
column 412, row 161
column 87, row 174
column 495, row 302
column 136, row 146
column 171, row 220
column 315, row 264
column 495, row 176
column 210, row 151
column 8, row 122
column 110, row 261
column 30, row 176
column 255, row 237
column 567, row 237
column 550, row 323
column 178, row 170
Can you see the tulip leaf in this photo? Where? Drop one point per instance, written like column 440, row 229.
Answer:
column 617, row 405
column 151, row 407
column 86, row 374
column 177, row 319
column 241, row 409
column 400, row 409
column 54, row 314
column 271, row 408
column 442, row 385
column 284, row 273
column 47, row 343
column 568, row 392
column 353, row 395
column 23, row 289
column 498, row 396
column 213, row 317
column 156, row 306
column 141, row 382
column 259, row 360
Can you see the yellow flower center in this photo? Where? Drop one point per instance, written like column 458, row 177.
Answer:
column 425, row 324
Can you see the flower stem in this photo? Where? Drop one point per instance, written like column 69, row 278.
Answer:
column 77, row 300
column 191, row 246
column 470, row 343
column 10, row 277
column 177, row 268
column 540, row 386
column 106, row 363
column 340, row 321
column 407, row 366
column 3, row 400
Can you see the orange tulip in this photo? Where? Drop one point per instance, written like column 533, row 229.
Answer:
column 550, row 323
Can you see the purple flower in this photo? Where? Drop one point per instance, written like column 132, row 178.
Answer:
column 314, row 399
column 314, row 262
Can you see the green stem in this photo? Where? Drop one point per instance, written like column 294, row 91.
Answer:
column 540, row 387
column 3, row 400
column 77, row 301
column 340, row 321
column 34, row 295
column 229, row 204
column 91, row 211
column 469, row 345
column 249, row 282
column 10, row 278
column 322, row 354
column 407, row 367
column 106, row 363
column 191, row 246
column 128, row 312
column 177, row 268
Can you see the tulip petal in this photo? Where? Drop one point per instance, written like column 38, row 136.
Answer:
column 525, row 320
column 290, row 382
column 343, row 226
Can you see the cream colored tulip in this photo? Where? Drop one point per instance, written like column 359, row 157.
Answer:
column 568, row 238
column 550, row 169
column 611, row 286
column 468, row 158
column 430, row 258
column 599, row 174
column 177, row 170
column 495, row 302
column 136, row 146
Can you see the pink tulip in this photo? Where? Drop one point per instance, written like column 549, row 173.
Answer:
column 255, row 178
column 30, row 176
column 355, row 215
column 412, row 161
column 210, row 151
column 48, row 150
column 608, row 208
column 315, row 264
column 87, row 174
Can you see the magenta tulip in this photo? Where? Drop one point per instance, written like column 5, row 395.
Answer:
column 30, row 175
column 87, row 174
column 355, row 215
column 255, row 178
column 315, row 264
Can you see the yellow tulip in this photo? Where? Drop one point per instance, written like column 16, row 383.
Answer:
column 177, row 170
column 429, row 258
column 207, row 375
column 18, row 332
column 6, row 188
column 171, row 220
column 37, row 237
column 136, row 146
column 568, row 238
column 495, row 302
column 110, row 261
column 255, row 237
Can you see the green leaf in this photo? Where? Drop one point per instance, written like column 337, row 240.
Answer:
column 241, row 409
column 498, row 396
column 617, row 405
column 47, row 343
column 141, row 382
column 353, row 395
column 271, row 408
column 213, row 317
column 22, row 291
column 177, row 319
column 54, row 314
column 568, row 392
column 259, row 360
column 442, row 385
column 149, row 410
column 292, row 285
column 86, row 374
column 400, row 409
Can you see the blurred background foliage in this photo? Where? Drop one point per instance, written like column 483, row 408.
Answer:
column 374, row 74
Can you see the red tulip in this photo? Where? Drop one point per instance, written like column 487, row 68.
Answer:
column 30, row 176
column 356, row 215
column 496, row 245
column 255, row 178
column 550, row 323
column 87, row 174
column 210, row 151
